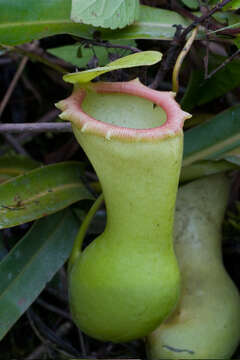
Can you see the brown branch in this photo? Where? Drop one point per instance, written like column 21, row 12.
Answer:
column 13, row 84
column 41, row 349
column 9, row 138
column 55, row 309
column 25, row 136
column 35, row 127
column 109, row 45
column 224, row 63
column 49, row 337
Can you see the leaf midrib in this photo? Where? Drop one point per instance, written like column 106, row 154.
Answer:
column 42, row 195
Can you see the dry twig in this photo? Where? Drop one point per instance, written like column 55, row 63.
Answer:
column 9, row 138
column 224, row 63
column 35, row 127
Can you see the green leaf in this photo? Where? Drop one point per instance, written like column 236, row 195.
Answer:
column 205, row 168
column 26, row 20
column 227, row 17
column 14, row 165
column 3, row 250
column 191, row 4
column 69, row 53
column 138, row 59
column 153, row 23
column 41, row 192
column 25, row 271
column 200, row 91
column 232, row 5
column 105, row 13
column 214, row 138
column 237, row 41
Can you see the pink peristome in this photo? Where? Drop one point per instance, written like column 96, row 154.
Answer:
column 72, row 111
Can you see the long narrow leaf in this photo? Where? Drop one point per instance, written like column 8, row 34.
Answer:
column 25, row 271
column 214, row 138
column 41, row 192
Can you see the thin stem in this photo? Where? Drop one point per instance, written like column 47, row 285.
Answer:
column 13, row 84
column 24, row 136
column 40, row 350
column 224, row 63
column 54, row 309
column 15, row 144
column 181, row 56
column 9, row 138
column 35, row 127
column 82, row 231
column 109, row 45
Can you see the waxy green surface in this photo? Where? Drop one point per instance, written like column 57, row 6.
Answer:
column 206, row 323
column 126, row 281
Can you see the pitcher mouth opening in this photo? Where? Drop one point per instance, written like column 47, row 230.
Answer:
column 76, row 109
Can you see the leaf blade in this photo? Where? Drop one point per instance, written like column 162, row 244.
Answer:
column 41, row 192
column 153, row 23
column 29, row 20
column 14, row 165
column 138, row 59
column 106, row 14
column 25, row 271
column 213, row 138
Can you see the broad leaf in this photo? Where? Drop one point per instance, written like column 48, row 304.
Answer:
column 25, row 271
column 14, row 165
column 138, row 59
column 27, row 20
column 105, row 13
column 213, row 138
column 153, row 23
column 41, row 192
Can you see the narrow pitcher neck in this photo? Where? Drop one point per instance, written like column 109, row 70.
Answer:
column 139, row 181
